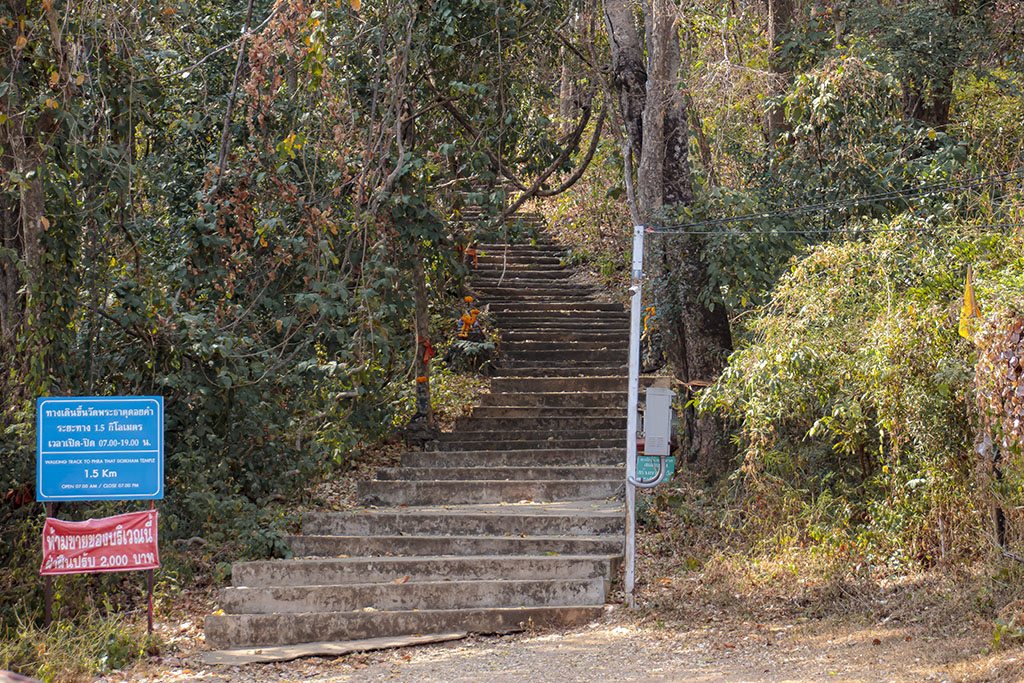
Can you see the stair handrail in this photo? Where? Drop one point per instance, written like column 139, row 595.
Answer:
column 651, row 483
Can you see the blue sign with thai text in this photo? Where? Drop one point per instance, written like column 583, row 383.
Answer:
column 100, row 448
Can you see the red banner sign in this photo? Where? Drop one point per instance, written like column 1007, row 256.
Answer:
column 113, row 544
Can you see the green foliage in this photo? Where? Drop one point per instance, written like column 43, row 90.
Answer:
column 1006, row 631
column 850, row 397
column 465, row 354
column 986, row 110
column 846, row 137
column 263, row 290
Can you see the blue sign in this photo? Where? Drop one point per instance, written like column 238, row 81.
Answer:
column 100, row 448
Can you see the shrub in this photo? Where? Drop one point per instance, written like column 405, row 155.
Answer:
column 851, row 397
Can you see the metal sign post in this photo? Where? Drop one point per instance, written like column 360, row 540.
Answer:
column 632, row 398
column 100, row 448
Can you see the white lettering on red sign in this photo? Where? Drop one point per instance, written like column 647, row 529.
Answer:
column 120, row 543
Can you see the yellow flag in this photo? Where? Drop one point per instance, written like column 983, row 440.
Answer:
column 970, row 311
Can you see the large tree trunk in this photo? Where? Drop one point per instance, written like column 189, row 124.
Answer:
column 698, row 341
column 933, row 108
column 696, row 336
column 629, row 75
column 21, row 230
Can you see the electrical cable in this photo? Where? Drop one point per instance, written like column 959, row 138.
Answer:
column 772, row 233
column 912, row 193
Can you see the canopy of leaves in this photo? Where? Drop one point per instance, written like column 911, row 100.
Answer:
column 230, row 198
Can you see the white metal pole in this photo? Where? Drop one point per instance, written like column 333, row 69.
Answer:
column 631, row 416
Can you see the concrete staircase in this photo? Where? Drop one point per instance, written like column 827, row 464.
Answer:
column 514, row 519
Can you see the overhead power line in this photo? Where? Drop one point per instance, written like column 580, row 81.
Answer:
column 919, row 192
column 831, row 231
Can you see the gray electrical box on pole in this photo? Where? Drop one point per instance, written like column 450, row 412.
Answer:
column 658, row 421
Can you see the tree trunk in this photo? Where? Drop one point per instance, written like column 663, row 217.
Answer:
column 931, row 108
column 629, row 76
column 11, row 305
column 780, row 15
column 698, row 342
column 424, row 410
column 930, row 102
column 22, row 229
column 567, row 86
column 696, row 336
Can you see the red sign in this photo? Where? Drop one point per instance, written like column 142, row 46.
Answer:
column 112, row 544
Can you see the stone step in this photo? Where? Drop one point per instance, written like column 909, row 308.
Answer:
column 504, row 292
column 511, row 367
column 413, row 595
column 559, row 384
column 515, row 347
column 520, row 256
column 592, row 355
column 579, row 325
column 528, row 444
column 560, row 307
column 580, row 518
column 512, row 318
column 346, row 570
column 549, row 471
column 499, row 258
column 607, row 321
column 538, row 248
column 559, row 370
column 242, row 630
column 521, row 411
column 519, row 425
column 409, row 545
column 532, row 297
column 513, row 271
column 564, row 313
column 550, row 457
column 559, row 301
column 552, row 399
column 376, row 492
column 485, row 436
column 521, row 281
column 604, row 335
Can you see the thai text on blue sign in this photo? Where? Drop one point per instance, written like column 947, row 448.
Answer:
column 100, row 448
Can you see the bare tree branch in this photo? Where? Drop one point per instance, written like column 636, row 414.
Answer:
column 225, row 136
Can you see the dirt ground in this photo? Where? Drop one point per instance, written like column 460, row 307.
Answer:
column 625, row 646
